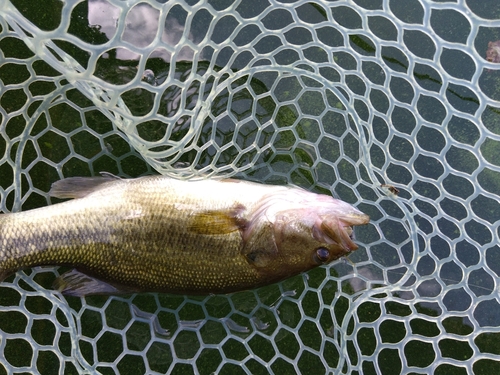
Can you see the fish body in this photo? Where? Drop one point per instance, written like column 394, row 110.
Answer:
column 160, row 234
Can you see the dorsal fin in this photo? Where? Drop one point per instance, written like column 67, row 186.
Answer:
column 110, row 175
column 79, row 187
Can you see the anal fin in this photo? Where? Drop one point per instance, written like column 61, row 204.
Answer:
column 77, row 284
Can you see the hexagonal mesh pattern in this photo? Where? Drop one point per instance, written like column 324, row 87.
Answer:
column 351, row 98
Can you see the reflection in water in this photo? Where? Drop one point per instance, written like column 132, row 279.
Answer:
column 141, row 28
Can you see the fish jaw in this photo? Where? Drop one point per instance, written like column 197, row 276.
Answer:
column 331, row 219
column 331, row 228
column 338, row 229
column 334, row 221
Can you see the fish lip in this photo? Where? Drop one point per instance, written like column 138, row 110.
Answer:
column 355, row 218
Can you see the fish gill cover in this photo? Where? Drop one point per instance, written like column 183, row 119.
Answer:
column 391, row 106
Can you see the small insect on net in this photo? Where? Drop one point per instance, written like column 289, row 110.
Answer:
column 393, row 106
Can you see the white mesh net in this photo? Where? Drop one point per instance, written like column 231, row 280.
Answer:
column 335, row 96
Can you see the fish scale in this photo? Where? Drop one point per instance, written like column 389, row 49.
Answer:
column 160, row 234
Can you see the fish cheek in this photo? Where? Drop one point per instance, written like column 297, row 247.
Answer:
column 260, row 248
column 260, row 258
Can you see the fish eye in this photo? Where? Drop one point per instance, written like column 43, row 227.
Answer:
column 322, row 255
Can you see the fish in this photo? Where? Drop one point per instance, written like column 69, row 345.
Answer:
column 160, row 234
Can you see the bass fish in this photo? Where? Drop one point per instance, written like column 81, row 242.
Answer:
column 158, row 234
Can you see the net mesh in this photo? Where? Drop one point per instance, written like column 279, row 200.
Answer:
column 392, row 106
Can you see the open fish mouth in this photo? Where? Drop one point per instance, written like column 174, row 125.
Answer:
column 347, row 230
column 339, row 230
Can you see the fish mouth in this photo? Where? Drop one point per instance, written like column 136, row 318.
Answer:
column 339, row 230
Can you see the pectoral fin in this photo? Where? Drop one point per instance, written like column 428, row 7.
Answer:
column 218, row 221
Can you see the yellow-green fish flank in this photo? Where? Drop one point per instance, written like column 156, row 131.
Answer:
column 164, row 235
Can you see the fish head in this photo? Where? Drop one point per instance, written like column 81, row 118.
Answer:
column 296, row 235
